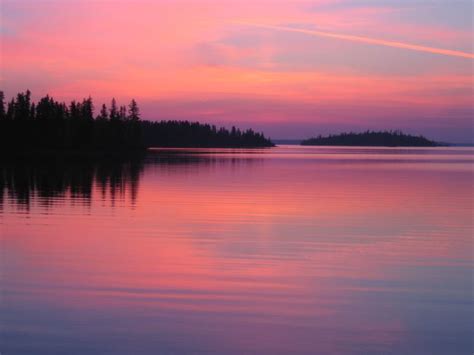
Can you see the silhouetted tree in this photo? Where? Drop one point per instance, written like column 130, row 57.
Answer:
column 87, row 108
column 22, row 105
column 123, row 113
column 2, row 106
column 49, row 124
column 103, row 113
column 133, row 111
column 11, row 110
column 113, row 110
column 33, row 111
column 370, row 138
column 75, row 110
column 194, row 134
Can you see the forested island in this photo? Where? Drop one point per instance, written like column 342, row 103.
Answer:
column 50, row 125
column 372, row 139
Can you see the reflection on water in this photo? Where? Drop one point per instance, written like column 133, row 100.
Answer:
column 52, row 180
column 286, row 250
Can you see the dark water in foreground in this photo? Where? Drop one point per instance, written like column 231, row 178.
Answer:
column 288, row 250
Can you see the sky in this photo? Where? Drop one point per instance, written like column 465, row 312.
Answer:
column 289, row 68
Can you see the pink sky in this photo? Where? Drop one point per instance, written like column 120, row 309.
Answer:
column 289, row 68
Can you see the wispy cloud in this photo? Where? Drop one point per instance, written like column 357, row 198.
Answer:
column 198, row 64
column 367, row 40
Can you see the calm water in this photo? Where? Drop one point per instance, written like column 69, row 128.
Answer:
column 288, row 250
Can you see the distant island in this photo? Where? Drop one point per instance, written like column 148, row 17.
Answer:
column 373, row 139
column 52, row 126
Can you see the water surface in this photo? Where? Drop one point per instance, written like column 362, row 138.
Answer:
column 289, row 250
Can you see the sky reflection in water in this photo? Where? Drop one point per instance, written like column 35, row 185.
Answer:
column 284, row 250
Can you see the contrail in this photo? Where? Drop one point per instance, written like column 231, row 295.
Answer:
column 378, row 42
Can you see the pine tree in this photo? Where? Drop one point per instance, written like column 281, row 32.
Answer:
column 87, row 109
column 123, row 113
column 103, row 115
column 11, row 110
column 133, row 111
column 113, row 110
column 33, row 111
column 2, row 106
column 74, row 110
column 22, row 105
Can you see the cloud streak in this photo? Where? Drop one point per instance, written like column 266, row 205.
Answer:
column 367, row 40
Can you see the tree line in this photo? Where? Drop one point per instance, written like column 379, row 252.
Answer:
column 53, row 125
column 194, row 134
column 371, row 138
column 50, row 124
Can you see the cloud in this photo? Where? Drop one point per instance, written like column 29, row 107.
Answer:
column 367, row 40
column 189, row 54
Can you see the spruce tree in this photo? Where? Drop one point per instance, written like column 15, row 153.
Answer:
column 103, row 115
column 2, row 106
column 113, row 110
column 133, row 111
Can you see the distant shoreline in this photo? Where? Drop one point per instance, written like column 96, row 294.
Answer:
column 372, row 139
column 297, row 142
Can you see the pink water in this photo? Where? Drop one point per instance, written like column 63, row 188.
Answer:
column 288, row 250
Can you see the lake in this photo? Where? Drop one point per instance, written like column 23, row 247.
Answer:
column 286, row 250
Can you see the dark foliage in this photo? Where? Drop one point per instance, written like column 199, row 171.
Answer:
column 55, row 126
column 52, row 125
column 194, row 134
column 373, row 139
